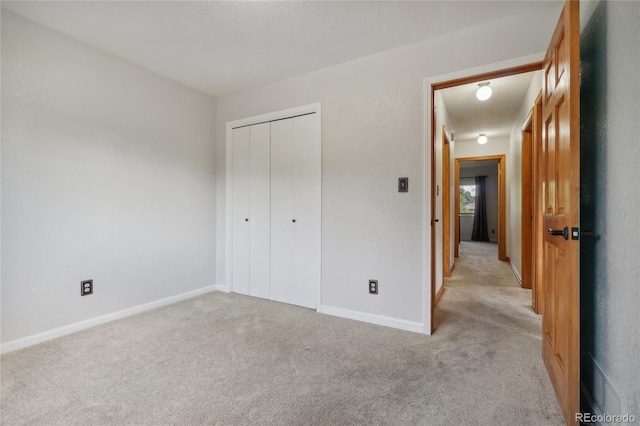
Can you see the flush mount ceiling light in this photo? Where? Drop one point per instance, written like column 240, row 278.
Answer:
column 482, row 139
column 484, row 91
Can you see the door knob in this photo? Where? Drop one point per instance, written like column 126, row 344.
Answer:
column 561, row 232
column 294, row 221
column 246, row 220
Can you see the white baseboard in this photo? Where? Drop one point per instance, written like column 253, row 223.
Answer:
column 372, row 318
column 25, row 342
column 223, row 288
column 516, row 272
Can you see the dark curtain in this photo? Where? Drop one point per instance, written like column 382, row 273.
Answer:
column 480, row 232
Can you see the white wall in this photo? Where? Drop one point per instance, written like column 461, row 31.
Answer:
column 108, row 173
column 514, row 163
column 491, row 194
column 372, row 133
column 497, row 146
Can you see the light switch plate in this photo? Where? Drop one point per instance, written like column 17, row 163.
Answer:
column 403, row 184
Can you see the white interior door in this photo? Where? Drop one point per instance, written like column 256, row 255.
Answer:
column 260, row 210
column 241, row 158
column 282, row 288
column 306, row 209
column 295, row 210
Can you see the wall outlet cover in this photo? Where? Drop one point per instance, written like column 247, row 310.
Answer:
column 373, row 286
column 86, row 287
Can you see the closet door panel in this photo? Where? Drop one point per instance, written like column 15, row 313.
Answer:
column 281, row 210
column 306, row 209
column 260, row 211
column 240, row 209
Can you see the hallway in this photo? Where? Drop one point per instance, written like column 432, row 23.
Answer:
column 485, row 289
column 484, row 307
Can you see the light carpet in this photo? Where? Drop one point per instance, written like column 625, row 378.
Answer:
column 227, row 359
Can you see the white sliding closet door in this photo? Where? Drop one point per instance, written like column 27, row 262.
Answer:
column 307, row 207
column 295, row 210
column 260, row 211
column 251, row 210
column 241, row 208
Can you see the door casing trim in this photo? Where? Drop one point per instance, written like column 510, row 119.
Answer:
column 230, row 125
column 430, row 84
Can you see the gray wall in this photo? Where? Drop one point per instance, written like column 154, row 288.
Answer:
column 610, row 206
column 108, row 172
column 372, row 133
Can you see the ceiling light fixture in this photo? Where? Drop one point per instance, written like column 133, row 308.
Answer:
column 484, row 91
column 482, row 139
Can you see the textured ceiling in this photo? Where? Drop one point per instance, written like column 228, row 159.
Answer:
column 225, row 47
column 496, row 116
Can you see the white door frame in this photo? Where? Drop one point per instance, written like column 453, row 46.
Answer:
column 230, row 125
column 428, row 82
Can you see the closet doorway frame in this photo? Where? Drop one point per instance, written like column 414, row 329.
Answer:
column 249, row 121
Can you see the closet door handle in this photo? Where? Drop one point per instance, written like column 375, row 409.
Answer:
column 294, row 221
column 246, row 220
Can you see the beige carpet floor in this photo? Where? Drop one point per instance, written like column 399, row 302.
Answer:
column 226, row 359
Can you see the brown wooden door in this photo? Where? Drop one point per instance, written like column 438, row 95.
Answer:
column 561, row 198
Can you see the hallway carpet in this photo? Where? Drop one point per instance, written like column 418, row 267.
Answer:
column 227, row 359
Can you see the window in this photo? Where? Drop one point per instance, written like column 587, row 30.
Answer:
column 467, row 195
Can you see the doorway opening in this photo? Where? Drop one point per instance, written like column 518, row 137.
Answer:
column 447, row 135
column 466, row 204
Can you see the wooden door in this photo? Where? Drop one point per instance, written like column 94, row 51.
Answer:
column 502, row 208
column 446, row 206
column 561, row 198
column 538, row 231
column 526, row 216
column 438, row 222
